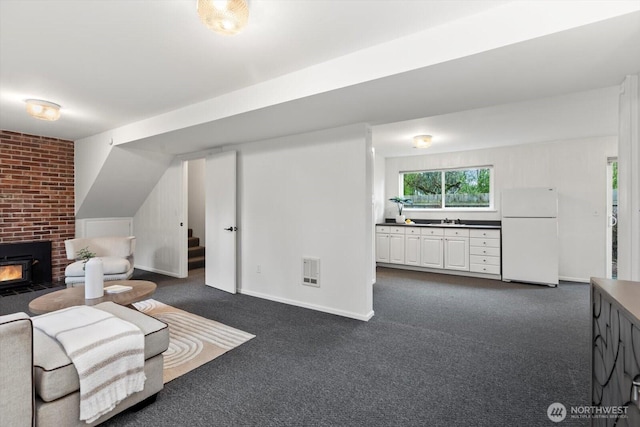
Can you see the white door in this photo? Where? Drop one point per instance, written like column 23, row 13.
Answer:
column 382, row 247
column 431, row 252
column 456, row 253
column 412, row 249
column 396, row 248
column 530, row 250
column 220, row 223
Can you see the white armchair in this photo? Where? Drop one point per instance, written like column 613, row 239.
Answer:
column 116, row 254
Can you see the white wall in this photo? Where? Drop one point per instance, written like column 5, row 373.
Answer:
column 577, row 168
column 161, row 243
column 308, row 195
column 197, row 198
column 98, row 227
column 89, row 156
column 629, row 181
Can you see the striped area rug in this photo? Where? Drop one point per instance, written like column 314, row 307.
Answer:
column 193, row 340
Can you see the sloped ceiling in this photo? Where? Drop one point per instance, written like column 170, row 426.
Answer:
column 125, row 179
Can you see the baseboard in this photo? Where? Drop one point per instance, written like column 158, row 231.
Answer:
column 156, row 270
column 315, row 307
column 574, row 279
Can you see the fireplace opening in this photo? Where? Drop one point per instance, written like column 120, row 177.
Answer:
column 16, row 271
column 25, row 264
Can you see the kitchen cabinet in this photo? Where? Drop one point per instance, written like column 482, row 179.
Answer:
column 484, row 251
column 412, row 246
column 382, row 244
column 431, row 247
column 396, row 245
column 456, row 249
column 390, row 244
column 446, row 249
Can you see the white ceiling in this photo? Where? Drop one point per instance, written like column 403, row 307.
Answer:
column 112, row 63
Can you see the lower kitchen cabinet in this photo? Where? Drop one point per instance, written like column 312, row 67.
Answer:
column 485, row 251
column 396, row 248
column 390, row 244
column 412, row 246
column 431, row 248
column 382, row 246
column 456, row 249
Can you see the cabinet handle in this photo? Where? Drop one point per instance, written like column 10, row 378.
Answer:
column 484, row 260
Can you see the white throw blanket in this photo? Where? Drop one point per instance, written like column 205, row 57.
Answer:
column 107, row 352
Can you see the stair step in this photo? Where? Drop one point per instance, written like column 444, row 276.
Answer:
column 190, row 232
column 196, row 251
column 193, row 242
column 197, row 262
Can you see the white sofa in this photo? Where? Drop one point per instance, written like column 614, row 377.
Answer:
column 116, row 254
column 39, row 385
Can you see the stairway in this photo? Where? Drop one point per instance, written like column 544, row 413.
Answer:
column 196, row 252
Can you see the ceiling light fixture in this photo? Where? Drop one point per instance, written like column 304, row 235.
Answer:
column 43, row 110
column 227, row 17
column 422, row 141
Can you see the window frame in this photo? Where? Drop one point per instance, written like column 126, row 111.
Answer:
column 490, row 208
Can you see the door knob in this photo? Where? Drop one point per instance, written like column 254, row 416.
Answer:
column 231, row 228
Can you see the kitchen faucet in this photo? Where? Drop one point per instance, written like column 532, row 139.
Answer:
column 453, row 221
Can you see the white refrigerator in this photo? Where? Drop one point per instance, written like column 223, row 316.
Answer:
column 530, row 235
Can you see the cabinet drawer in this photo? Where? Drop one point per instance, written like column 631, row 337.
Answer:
column 382, row 229
column 456, row 232
column 482, row 268
column 396, row 230
column 486, row 260
column 489, row 243
column 413, row 230
column 485, row 234
column 481, row 250
column 432, row 231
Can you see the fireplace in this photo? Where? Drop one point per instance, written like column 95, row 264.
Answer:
column 25, row 263
column 15, row 272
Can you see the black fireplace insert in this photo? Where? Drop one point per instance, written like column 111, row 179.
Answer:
column 25, row 263
column 15, row 271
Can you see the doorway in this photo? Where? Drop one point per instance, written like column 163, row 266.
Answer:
column 196, row 214
column 612, row 218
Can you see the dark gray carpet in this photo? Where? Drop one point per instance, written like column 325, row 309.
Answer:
column 440, row 351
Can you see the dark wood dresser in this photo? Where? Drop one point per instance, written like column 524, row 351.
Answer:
column 615, row 352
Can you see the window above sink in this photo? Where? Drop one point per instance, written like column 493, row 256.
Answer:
column 448, row 189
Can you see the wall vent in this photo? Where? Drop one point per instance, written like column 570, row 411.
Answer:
column 311, row 272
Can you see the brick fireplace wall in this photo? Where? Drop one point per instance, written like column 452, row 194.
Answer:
column 37, row 193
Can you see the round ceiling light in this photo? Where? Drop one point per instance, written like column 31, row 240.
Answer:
column 224, row 16
column 43, row 110
column 422, row 141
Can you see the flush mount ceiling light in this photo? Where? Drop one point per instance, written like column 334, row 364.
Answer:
column 43, row 110
column 422, row 141
column 224, row 16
